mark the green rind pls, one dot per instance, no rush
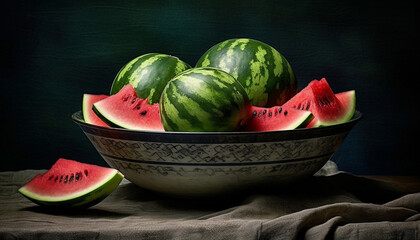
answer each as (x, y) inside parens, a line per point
(301, 122)
(82, 199)
(111, 120)
(277, 123)
(127, 114)
(265, 74)
(103, 118)
(117, 122)
(148, 74)
(349, 105)
(86, 107)
(304, 121)
(203, 100)
(327, 107)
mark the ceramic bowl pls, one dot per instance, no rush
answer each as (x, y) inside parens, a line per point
(210, 163)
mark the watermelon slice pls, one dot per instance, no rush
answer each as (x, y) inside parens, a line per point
(72, 184)
(88, 115)
(125, 110)
(277, 118)
(327, 107)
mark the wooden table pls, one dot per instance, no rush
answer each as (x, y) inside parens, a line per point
(405, 183)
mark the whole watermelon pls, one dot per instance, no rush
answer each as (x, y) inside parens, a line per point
(148, 74)
(265, 74)
(204, 100)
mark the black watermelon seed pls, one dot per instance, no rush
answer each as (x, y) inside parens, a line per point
(77, 177)
(270, 114)
(259, 114)
(61, 178)
(66, 178)
(285, 113)
(51, 177)
(56, 179)
(264, 112)
(138, 107)
(280, 109)
(327, 101)
(143, 113)
(86, 173)
(71, 178)
(307, 106)
(254, 114)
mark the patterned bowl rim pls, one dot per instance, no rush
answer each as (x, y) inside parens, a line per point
(214, 137)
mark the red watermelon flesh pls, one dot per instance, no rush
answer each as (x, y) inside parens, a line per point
(327, 107)
(124, 109)
(88, 115)
(347, 99)
(72, 184)
(276, 118)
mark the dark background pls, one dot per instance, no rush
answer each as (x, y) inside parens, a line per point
(54, 51)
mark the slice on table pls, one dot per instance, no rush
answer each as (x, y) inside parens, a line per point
(72, 184)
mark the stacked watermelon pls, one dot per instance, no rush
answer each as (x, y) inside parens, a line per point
(237, 85)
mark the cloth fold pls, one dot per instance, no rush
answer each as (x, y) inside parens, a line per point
(327, 205)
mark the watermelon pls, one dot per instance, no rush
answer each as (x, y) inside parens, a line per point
(204, 100)
(265, 74)
(327, 107)
(88, 115)
(72, 184)
(277, 118)
(148, 74)
(126, 110)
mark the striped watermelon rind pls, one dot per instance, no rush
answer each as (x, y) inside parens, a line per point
(265, 74)
(203, 100)
(148, 74)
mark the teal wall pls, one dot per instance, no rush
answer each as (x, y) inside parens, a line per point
(54, 51)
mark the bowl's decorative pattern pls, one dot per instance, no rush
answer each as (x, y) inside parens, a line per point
(216, 154)
(211, 163)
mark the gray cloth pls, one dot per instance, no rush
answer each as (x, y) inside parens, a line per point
(325, 206)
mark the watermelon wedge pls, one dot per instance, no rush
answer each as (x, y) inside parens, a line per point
(277, 118)
(124, 109)
(72, 184)
(88, 115)
(327, 107)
